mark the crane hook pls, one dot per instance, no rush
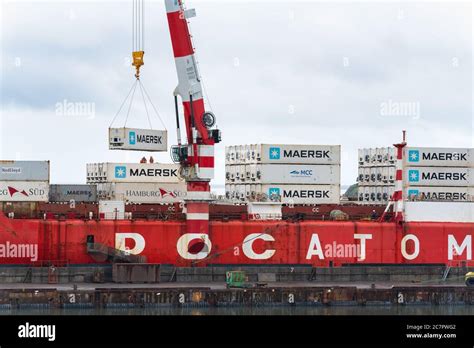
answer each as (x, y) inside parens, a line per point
(138, 62)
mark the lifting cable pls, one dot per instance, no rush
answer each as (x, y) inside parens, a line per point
(146, 99)
(138, 36)
(138, 51)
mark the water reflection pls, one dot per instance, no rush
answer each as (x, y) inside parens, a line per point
(287, 310)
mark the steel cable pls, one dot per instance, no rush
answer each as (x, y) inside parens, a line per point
(123, 103)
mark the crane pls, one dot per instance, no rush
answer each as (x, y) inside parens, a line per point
(196, 153)
(196, 156)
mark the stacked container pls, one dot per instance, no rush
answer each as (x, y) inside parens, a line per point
(376, 175)
(439, 174)
(137, 182)
(76, 193)
(292, 174)
(24, 181)
(433, 174)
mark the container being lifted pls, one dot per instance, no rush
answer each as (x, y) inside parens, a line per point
(135, 139)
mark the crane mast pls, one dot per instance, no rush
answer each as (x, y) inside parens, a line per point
(197, 155)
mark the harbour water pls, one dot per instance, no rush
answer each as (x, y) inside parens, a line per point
(280, 310)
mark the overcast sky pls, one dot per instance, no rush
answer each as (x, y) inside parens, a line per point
(275, 72)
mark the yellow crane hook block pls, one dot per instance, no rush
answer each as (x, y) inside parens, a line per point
(138, 61)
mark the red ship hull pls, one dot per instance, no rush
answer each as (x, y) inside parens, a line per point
(317, 243)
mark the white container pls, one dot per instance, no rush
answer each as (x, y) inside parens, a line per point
(379, 175)
(391, 174)
(366, 175)
(372, 155)
(232, 155)
(247, 192)
(24, 171)
(392, 155)
(227, 173)
(360, 153)
(438, 157)
(243, 173)
(264, 211)
(302, 194)
(230, 191)
(360, 175)
(237, 173)
(451, 194)
(379, 193)
(372, 194)
(138, 139)
(297, 154)
(147, 193)
(385, 155)
(385, 174)
(253, 153)
(386, 194)
(367, 190)
(297, 174)
(366, 156)
(379, 154)
(373, 175)
(24, 191)
(238, 154)
(133, 172)
(439, 212)
(437, 176)
(227, 155)
(240, 192)
(112, 210)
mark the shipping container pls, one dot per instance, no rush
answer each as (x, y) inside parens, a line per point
(360, 153)
(366, 156)
(24, 171)
(112, 210)
(379, 155)
(385, 174)
(360, 175)
(138, 139)
(77, 193)
(452, 194)
(133, 172)
(438, 176)
(242, 171)
(366, 172)
(24, 191)
(438, 157)
(373, 175)
(287, 154)
(289, 194)
(440, 212)
(295, 174)
(143, 192)
(373, 155)
(392, 155)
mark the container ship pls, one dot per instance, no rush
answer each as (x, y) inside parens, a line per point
(282, 204)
